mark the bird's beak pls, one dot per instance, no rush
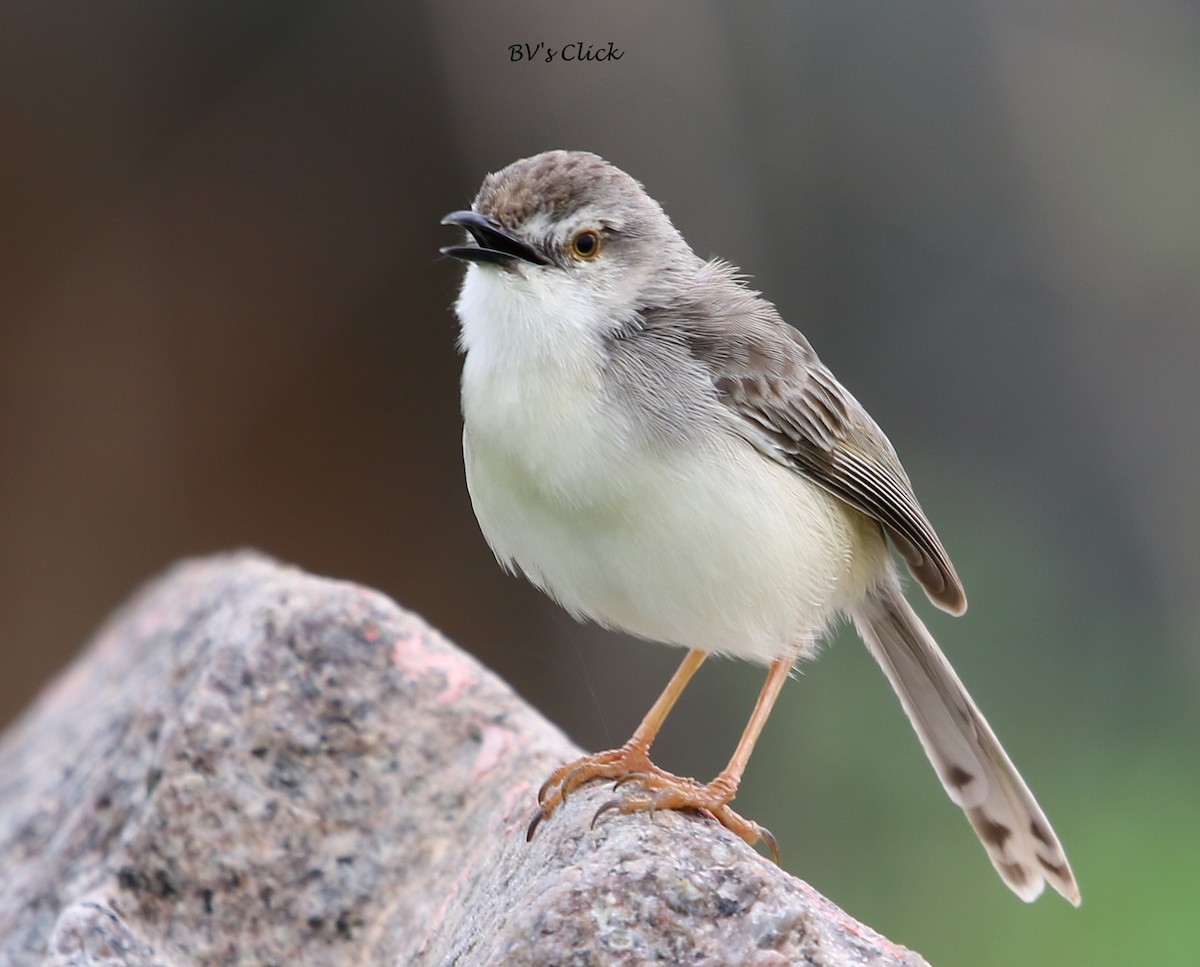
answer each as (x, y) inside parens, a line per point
(492, 242)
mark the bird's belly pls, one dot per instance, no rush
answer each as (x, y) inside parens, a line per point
(717, 549)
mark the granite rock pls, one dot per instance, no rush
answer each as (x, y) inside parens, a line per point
(252, 765)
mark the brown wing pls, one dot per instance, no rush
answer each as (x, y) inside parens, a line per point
(793, 410)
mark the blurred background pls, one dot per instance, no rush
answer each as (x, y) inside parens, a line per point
(224, 323)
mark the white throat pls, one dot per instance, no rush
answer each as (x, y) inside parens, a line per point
(532, 379)
(512, 320)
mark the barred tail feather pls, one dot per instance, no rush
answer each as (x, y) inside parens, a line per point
(974, 768)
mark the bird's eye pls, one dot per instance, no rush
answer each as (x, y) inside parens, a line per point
(585, 244)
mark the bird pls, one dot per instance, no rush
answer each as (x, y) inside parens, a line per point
(647, 441)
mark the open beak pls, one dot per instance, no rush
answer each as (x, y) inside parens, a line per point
(492, 243)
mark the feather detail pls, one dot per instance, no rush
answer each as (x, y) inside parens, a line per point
(787, 404)
(975, 770)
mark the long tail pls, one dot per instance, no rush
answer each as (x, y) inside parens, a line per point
(975, 770)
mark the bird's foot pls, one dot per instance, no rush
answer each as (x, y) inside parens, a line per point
(657, 789)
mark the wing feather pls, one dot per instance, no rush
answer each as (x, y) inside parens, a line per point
(792, 408)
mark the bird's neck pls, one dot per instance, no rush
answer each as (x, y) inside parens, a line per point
(534, 359)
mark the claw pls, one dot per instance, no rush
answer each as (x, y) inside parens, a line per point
(533, 825)
(771, 842)
(659, 790)
(567, 783)
(607, 807)
(541, 796)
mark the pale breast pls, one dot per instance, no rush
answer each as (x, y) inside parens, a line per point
(698, 541)
(723, 551)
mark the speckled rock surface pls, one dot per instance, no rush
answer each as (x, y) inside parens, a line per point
(251, 765)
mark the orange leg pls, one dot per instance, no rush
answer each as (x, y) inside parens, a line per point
(662, 790)
(632, 759)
